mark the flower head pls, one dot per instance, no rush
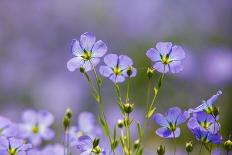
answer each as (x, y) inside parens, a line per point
(13, 146)
(117, 68)
(56, 149)
(206, 136)
(86, 51)
(203, 121)
(170, 122)
(7, 128)
(36, 125)
(206, 105)
(166, 57)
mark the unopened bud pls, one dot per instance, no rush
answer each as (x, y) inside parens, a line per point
(215, 111)
(227, 145)
(136, 144)
(82, 69)
(128, 108)
(66, 122)
(161, 150)
(189, 147)
(120, 123)
(129, 71)
(150, 72)
(68, 113)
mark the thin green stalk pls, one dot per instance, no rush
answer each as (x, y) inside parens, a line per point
(200, 148)
(127, 91)
(174, 143)
(148, 92)
(128, 135)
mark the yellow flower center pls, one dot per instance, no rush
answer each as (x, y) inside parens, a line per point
(172, 127)
(205, 125)
(165, 59)
(87, 55)
(12, 151)
(117, 71)
(35, 129)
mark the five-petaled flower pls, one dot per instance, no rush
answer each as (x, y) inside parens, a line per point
(87, 52)
(206, 136)
(206, 105)
(166, 57)
(13, 146)
(36, 126)
(203, 121)
(117, 68)
(170, 122)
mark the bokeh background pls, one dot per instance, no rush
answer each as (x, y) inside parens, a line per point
(35, 47)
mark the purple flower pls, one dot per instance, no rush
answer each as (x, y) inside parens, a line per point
(206, 136)
(117, 67)
(203, 121)
(36, 125)
(56, 149)
(166, 57)
(87, 125)
(7, 128)
(86, 51)
(170, 122)
(85, 146)
(206, 104)
(13, 146)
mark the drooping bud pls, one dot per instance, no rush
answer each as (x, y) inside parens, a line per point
(129, 71)
(68, 113)
(189, 147)
(96, 150)
(136, 144)
(161, 150)
(120, 123)
(96, 142)
(150, 72)
(227, 145)
(215, 111)
(128, 108)
(66, 122)
(82, 69)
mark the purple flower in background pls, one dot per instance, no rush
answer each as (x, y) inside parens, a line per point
(206, 104)
(166, 57)
(7, 128)
(36, 125)
(13, 146)
(170, 122)
(86, 51)
(56, 149)
(203, 121)
(117, 67)
(87, 125)
(206, 136)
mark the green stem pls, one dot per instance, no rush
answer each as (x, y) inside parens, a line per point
(127, 91)
(200, 148)
(174, 143)
(128, 135)
(148, 92)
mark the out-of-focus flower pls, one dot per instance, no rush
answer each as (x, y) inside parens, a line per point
(13, 146)
(206, 136)
(56, 149)
(170, 122)
(203, 121)
(87, 52)
(36, 125)
(117, 68)
(86, 147)
(87, 125)
(166, 57)
(206, 104)
(216, 65)
(7, 128)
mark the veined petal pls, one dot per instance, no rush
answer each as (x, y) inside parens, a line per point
(105, 71)
(176, 66)
(87, 41)
(163, 132)
(117, 79)
(192, 123)
(214, 98)
(45, 118)
(182, 118)
(125, 62)
(86, 122)
(161, 120)
(74, 63)
(30, 117)
(153, 54)
(111, 60)
(76, 48)
(161, 67)
(99, 49)
(47, 134)
(88, 66)
(84, 143)
(173, 114)
(177, 53)
(164, 47)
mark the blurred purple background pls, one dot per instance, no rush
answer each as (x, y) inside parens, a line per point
(35, 41)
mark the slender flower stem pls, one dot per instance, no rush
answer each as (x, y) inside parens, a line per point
(127, 91)
(128, 135)
(200, 148)
(148, 92)
(174, 143)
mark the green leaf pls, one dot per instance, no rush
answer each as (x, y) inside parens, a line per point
(155, 91)
(104, 126)
(150, 112)
(139, 130)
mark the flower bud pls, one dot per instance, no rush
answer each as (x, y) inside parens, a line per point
(161, 150)
(136, 144)
(227, 145)
(215, 111)
(68, 113)
(82, 69)
(66, 122)
(189, 147)
(120, 123)
(96, 150)
(96, 142)
(129, 71)
(128, 108)
(150, 72)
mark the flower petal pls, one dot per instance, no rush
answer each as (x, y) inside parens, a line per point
(161, 120)
(215, 138)
(88, 66)
(111, 60)
(117, 79)
(99, 49)
(164, 47)
(172, 114)
(76, 48)
(161, 67)
(192, 123)
(47, 134)
(45, 118)
(105, 71)
(30, 117)
(86, 122)
(153, 54)
(176, 66)
(163, 132)
(134, 72)
(87, 41)
(84, 143)
(74, 63)
(214, 98)
(182, 118)
(177, 53)
(125, 62)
